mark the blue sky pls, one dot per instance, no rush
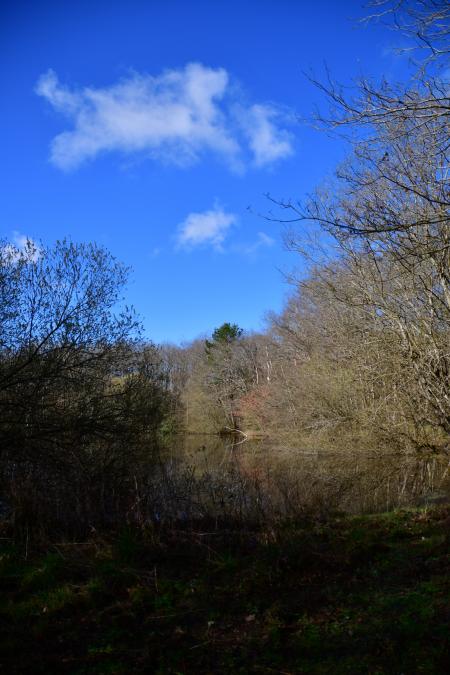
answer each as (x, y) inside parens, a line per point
(150, 127)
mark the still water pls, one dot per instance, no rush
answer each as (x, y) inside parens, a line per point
(238, 474)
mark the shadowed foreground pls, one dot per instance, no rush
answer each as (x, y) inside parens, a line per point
(366, 594)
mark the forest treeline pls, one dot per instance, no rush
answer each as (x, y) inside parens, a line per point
(359, 355)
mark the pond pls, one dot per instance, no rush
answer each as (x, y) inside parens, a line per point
(233, 474)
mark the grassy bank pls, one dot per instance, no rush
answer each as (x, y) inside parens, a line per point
(369, 594)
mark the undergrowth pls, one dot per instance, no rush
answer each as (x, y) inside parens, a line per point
(367, 594)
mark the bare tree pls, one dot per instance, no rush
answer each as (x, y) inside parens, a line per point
(388, 215)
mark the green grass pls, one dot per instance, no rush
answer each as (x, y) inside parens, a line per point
(369, 594)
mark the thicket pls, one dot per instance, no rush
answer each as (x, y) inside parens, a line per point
(81, 398)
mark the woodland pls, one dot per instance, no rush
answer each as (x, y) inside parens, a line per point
(93, 550)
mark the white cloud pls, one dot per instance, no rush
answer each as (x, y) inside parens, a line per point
(267, 142)
(175, 117)
(207, 228)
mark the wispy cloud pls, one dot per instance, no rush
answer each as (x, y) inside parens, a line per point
(263, 241)
(207, 228)
(175, 117)
(267, 141)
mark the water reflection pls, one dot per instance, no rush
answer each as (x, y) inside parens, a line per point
(284, 478)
